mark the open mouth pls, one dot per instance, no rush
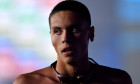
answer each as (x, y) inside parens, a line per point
(68, 51)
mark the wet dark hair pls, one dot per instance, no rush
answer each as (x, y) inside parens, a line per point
(72, 5)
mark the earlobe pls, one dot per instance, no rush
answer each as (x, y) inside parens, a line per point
(50, 32)
(91, 36)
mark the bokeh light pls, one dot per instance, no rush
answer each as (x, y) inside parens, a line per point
(25, 43)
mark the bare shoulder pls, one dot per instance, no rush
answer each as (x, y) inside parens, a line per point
(27, 78)
(37, 77)
(121, 77)
(116, 76)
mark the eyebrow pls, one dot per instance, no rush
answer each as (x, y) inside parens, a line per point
(71, 26)
(74, 25)
(55, 27)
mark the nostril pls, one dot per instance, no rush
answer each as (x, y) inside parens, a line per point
(67, 36)
(67, 40)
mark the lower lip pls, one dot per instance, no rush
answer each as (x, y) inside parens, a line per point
(68, 53)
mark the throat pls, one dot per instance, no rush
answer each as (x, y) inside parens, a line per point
(73, 70)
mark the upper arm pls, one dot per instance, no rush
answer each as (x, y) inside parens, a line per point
(27, 79)
(22, 79)
(122, 78)
(126, 78)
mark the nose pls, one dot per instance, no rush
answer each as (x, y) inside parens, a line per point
(66, 37)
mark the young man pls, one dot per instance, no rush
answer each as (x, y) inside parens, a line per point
(71, 31)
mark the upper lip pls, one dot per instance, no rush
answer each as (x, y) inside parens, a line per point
(67, 48)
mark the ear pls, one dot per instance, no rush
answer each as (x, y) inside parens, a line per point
(50, 32)
(91, 34)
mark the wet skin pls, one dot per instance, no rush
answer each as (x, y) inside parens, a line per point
(70, 34)
(69, 30)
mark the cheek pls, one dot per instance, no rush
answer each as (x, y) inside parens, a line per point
(84, 38)
(55, 42)
(84, 41)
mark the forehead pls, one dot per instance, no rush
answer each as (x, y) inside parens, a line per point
(66, 18)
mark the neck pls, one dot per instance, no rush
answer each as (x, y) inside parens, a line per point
(78, 68)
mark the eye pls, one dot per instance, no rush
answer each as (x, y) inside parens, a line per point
(57, 31)
(76, 30)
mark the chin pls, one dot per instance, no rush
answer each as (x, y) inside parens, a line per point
(71, 60)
